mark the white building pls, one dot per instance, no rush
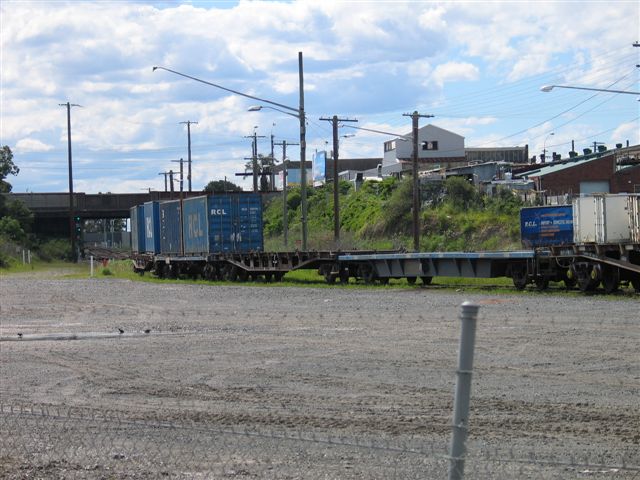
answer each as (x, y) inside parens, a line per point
(437, 147)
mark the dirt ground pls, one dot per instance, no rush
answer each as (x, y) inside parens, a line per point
(281, 382)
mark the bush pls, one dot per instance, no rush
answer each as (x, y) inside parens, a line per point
(56, 249)
(10, 228)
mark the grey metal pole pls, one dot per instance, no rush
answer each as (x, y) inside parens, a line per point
(460, 425)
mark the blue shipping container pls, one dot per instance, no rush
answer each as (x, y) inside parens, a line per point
(151, 227)
(546, 226)
(194, 225)
(170, 228)
(223, 223)
(136, 218)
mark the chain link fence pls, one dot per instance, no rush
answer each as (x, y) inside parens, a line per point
(47, 441)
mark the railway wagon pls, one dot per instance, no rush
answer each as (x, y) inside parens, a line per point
(214, 234)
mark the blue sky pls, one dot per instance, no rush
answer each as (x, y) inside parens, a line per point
(477, 66)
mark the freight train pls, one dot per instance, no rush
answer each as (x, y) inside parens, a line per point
(593, 242)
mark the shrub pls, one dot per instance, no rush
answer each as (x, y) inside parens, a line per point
(56, 249)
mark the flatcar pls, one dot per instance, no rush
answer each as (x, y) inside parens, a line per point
(595, 241)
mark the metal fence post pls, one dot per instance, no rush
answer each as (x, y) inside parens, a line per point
(463, 391)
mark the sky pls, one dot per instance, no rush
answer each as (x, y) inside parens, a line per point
(476, 66)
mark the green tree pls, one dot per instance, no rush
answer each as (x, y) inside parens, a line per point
(10, 228)
(221, 186)
(7, 167)
(460, 192)
(17, 210)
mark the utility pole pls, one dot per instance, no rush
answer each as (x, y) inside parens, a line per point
(285, 211)
(416, 182)
(272, 164)
(165, 179)
(72, 227)
(171, 178)
(189, 123)
(181, 161)
(303, 154)
(336, 190)
(254, 158)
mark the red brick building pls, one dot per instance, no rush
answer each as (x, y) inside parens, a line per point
(616, 171)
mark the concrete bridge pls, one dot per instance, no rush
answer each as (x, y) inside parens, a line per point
(51, 210)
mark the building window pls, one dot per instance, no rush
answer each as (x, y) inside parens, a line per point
(388, 146)
(430, 145)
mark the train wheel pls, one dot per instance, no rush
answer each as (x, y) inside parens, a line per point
(368, 275)
(278, 276)
(411, 280)
(173, 271)
(542, 283)
(159, 270)
(267, 277)
(330, 278)
(426, 280)
(520, 279)
(635, 282)
(569, 278)
(611, 279)
(344, 276)
(384, 281)
(590, 279)
(231, 273)
(243, 275)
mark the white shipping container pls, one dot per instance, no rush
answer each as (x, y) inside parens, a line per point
(584, 225)
(603, 218)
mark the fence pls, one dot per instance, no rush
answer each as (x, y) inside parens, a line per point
(61, 442)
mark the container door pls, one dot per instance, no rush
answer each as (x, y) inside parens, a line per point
(617, 219)
(221, 234)
(170, 227)
(152, 227)
(248, 223)
(195, 225)
(633, 211)
(599, 218)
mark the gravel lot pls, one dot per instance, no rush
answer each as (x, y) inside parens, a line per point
(281, 382)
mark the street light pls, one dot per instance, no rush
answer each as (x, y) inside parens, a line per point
(544, 147)
(548, 88)
(295, 112)
(74, 229)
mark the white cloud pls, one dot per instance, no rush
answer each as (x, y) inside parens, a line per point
(454, 71)
(626, 131)
(26, 145)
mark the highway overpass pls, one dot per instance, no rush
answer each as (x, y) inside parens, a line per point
(51, 210)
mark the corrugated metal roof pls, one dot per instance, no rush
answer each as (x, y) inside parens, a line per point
(547, 169)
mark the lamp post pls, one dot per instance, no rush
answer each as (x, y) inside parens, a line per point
(296, 112)
(544, 147)
(548, 88)
(73, 228)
